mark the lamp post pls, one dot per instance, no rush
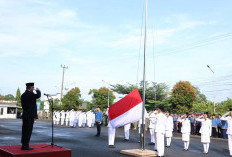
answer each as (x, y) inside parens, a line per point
(108, 92)
(62, 83)
(213, 87)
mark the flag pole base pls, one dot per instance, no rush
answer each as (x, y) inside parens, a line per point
(139, 152)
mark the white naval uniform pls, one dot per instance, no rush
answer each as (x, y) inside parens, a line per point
(80, 120)
(75, 119)
(67, 117)
(62, 117)
(89, 119)
(72, 117)
(160, 126)
(111, 133)
(169, 130)
(186, 130)
(54, 118)
(229, 130)
(84, 120)
(206, 131)
(57, 118)
(152, 127)
(93, 119)
(127, 131)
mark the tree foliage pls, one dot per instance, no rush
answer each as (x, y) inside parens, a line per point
(18, 97)
(9, 97)
(72, 99)
(182, 96)
(100, 97)
(155, 93)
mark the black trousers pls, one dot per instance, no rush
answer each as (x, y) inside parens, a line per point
(219, 132)
(214, 132)
(98, 128)
(27, 131)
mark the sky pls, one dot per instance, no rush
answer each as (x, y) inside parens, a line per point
(103, 40)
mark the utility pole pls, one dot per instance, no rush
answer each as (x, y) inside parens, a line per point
(213, 87)
(62, 83)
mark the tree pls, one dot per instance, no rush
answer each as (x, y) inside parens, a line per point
(56, 105)
(9, 97)
(155, 92)
(18, 97)
(200, 97)
(100, 97)
(202, 106)
(72, 99)
(182, 96)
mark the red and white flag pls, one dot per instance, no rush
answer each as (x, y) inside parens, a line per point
(127, 110)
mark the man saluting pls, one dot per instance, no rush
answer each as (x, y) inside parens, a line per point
(28, 100)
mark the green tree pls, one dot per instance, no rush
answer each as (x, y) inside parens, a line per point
(182, 97)
(200, 97)
(18, 97)
(56, 105)
(155, 92)
(72, 99)
(202, 106)
(100, 97)
(9, 97)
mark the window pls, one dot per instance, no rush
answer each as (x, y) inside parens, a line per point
(11, 110)
(1, 111)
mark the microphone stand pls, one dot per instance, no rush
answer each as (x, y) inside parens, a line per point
(50, 101)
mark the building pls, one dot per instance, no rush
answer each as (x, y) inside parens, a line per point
(46, 103)
(8, 109)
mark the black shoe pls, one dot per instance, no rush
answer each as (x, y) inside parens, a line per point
(111, 146)
(126, 140)
(156, 150)
(97, 135)
(26, 148)
(151, 143)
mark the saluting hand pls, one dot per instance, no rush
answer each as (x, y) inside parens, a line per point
(37, 89)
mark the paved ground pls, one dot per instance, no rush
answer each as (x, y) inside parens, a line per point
(83, 142)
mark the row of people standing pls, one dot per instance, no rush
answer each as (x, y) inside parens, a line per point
(74, 118)
(219, 127)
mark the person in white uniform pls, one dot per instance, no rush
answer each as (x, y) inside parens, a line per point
(89, 118)
(152, 126)
(72, 117)
(54, 117)
(62, 117)
(111, 133)
(229, 130)
(206, 131)
(67, 117)
(127, 131)
(80, 120)
(169, 130)
(75, 119)
(185, 130)
(160, 126)
(93, 119)
(84, 119)
(57, 118)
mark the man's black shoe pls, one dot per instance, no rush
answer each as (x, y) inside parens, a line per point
(111, 146)
(151, 143)
(97, 135)
(126, 140)
(27, 148)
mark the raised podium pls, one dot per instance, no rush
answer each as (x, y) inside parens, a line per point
(40, 150)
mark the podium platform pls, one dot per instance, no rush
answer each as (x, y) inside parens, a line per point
(39, 151)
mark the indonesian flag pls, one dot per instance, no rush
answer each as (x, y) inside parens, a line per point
(127, 110)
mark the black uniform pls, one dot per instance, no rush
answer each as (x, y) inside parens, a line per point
(28, 100)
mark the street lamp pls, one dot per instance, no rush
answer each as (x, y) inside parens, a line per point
(213, 87)
(108, 92)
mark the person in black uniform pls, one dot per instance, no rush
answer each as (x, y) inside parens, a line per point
(28, 100)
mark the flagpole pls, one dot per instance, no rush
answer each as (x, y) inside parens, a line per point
(142, 136)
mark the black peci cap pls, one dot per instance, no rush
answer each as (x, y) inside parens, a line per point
(161, 108)
(30, 84)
